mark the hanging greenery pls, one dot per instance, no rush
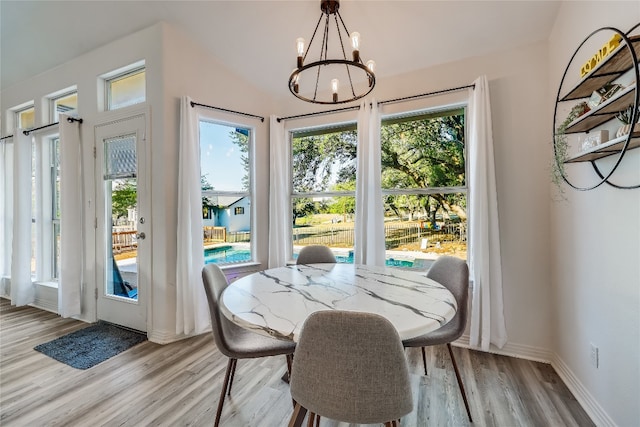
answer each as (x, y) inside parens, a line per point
(561, 145)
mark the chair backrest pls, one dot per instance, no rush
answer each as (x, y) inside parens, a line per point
(350, 366)
(315, 254)
(453, 273)
(214, 283)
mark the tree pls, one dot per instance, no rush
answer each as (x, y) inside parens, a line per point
(240, 137)
(124, 196)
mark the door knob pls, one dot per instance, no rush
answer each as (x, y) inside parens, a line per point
(141, 235)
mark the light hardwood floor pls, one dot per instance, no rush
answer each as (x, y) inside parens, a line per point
(179, 384)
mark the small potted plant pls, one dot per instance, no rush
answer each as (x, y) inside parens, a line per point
(626, 117)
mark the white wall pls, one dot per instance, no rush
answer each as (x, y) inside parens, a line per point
(596, 249)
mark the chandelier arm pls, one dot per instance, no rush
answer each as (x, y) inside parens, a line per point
(343, 24)
(323, 48)
(313, 36)
(344, 54)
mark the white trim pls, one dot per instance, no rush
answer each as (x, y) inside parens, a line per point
(591, 406)
(519, 351)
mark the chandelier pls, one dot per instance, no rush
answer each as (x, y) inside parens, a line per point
(325, 74)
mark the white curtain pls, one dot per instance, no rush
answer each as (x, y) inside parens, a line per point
(71, 219)
(369, 232)
(279, 209)
(6, 222)
(22, 290)
(485, 269)
(192, 311)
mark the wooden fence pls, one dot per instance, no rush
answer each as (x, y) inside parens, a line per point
(396, 234)
(219, 234)
(124, 241)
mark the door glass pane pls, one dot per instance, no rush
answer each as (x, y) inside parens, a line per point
(121, 216)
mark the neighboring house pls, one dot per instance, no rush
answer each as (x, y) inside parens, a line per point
(233, 213)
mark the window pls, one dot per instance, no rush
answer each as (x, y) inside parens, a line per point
(225, 175)
(424, 187)
(55, 206)
(324, 183)
(26, 118)
(126, 89)
(63, 104)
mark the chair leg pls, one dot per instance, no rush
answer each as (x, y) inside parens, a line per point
(233, 374)
(289, 363)
(312, 418)
(223, 392)
(298, 416)
(464, 394)
(424, 360)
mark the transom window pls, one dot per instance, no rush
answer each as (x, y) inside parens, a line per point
(26, 118)
(63, 104)
(126, 89)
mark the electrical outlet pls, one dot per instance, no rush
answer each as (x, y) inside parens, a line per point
(594, 356)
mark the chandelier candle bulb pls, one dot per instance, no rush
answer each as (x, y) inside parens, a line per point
(334, 88)
(300, 48)
(355, 43)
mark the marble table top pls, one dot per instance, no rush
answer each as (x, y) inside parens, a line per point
(276, 302)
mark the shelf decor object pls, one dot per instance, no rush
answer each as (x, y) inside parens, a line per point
(326, 73)
(608, 101)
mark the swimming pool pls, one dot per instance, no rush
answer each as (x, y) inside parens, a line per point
(229, 254)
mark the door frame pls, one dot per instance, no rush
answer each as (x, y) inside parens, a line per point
(144, 256)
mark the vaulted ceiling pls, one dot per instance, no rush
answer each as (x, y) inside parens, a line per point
(256, 39)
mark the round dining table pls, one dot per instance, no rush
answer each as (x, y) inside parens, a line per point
(276, 302)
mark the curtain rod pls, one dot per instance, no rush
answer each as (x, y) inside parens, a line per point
(437, 92)
(6, 137)
(319, 113)
(389, 101)
(193, 104)
(69, 119)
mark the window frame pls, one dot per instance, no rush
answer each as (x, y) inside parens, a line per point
(433, 112)
(54, 115)
(233, 121)
(119, 75)
(326, 127)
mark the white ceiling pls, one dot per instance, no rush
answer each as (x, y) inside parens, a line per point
(256, 39)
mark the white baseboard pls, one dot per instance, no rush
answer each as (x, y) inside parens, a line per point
(591, 406)
(520, 351)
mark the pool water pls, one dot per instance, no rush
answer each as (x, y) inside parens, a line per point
(229, 254)
(226, 254)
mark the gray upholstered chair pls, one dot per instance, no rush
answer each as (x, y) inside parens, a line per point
(452, 273)
(350, 366)
(232, 340)
(315, 254)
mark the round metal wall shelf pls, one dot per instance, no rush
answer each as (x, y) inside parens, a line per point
(599, 75)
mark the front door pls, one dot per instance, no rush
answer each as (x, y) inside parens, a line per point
(122, 223)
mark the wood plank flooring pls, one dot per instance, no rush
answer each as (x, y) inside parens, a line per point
(179, 384)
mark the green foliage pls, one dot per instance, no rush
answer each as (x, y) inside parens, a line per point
(123, 197)
(561, 145)
(241, 139)
(416, 153)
